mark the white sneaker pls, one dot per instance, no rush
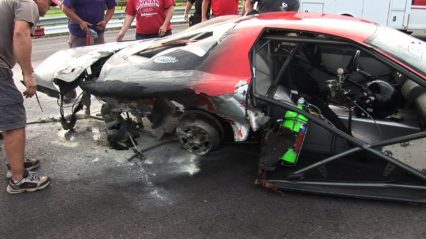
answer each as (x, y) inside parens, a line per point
(31, 182)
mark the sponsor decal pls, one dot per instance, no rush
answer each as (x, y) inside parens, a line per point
(166, 59)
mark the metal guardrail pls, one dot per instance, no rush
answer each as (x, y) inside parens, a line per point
(58, 25)
(48, 21)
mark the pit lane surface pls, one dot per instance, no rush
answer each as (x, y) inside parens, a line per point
(97, 193)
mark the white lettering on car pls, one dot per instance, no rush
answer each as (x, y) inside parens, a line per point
(166, 59)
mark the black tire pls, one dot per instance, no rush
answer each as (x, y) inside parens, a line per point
(198, 135)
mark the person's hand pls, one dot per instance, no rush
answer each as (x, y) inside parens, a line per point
(84, 26)
(185, 16)
(204, 19)
(120, 36)
(31, 85)
(162, 31)
(101, 25)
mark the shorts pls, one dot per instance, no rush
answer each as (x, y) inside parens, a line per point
(75, 41)
(194, 19)
(12, 110)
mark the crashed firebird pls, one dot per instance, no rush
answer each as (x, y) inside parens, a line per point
(339, 103)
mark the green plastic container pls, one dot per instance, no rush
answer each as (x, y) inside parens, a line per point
(298, 124)
(294, 120)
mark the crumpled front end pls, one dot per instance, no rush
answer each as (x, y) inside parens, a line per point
(68, 65)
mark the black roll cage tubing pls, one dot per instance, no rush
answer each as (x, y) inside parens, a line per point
(361, 145)
(273, 88)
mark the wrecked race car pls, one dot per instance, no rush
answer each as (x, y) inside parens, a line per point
(339, 102)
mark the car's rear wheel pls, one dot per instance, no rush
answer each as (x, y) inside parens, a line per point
(198, 134)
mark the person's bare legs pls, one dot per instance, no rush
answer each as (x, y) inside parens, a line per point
(14, 143)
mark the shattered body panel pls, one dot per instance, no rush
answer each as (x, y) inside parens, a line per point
(67, 65)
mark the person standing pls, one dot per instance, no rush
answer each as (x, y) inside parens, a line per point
(196, 17)
(152, 18)
(272, 5)
(85, 15)
(19, 19)
(219, 8)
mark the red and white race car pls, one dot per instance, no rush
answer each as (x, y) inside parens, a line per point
(337, 101)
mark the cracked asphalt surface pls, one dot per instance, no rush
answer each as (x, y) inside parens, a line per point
(97, 192)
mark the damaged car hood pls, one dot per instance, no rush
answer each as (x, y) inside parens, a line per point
(67, 65)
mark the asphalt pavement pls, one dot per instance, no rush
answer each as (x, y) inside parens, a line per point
(97, 192)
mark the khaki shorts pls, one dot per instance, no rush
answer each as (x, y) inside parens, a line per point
(12, 110)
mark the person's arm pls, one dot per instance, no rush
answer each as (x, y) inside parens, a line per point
(186, 12)
(169, 14)
(108, 15)
(127, 22)
(75, 18)
(22, 46)
(248, 6)
(204, 8)
(243, 10)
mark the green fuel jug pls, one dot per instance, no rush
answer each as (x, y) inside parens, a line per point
(298, 124)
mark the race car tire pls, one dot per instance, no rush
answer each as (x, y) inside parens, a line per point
(199, 135)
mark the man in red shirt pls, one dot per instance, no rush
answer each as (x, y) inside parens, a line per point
(219, 8)
(152, 18)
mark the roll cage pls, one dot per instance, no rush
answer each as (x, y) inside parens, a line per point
(379, 174)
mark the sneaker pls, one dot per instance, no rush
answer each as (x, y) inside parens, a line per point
(29, 164)
(31, 182)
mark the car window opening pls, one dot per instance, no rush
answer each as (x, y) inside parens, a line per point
(288, 65)
(188, 39)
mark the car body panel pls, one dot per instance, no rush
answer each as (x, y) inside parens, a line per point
(227, 63)
(355, 29)
(67, 65)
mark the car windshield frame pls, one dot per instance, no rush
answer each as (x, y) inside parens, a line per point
(206, 35)
(405, 48)
(217, 27)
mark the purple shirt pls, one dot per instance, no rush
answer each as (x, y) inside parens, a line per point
(91, 11)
